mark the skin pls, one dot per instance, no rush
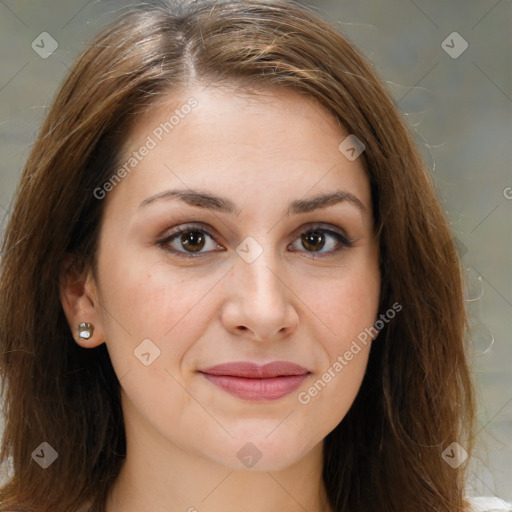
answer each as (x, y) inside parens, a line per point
(261, 151)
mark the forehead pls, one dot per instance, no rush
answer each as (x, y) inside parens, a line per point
(269, 143)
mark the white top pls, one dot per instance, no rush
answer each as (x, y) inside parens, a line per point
(489, 504)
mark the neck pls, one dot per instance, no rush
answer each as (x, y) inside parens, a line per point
(160, 476)
(221, 491)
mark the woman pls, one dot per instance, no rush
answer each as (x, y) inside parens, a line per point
(227, 283)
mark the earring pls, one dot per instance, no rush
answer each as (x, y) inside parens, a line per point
(85, 330)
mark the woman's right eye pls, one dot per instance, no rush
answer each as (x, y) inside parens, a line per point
(189, 241)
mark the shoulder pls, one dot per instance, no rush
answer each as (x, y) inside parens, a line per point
(488, 504)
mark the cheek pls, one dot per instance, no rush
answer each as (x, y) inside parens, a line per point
(331, 391)
(145, 296)
(348, 308)
(143, 300)
(346, 304)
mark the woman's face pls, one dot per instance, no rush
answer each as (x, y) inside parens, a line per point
(265, 271)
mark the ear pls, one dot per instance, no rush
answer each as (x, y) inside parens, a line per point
(79, 299)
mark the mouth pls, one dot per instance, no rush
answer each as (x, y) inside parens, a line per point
(249, 381)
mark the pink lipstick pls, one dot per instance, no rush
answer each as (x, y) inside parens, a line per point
(250, 381)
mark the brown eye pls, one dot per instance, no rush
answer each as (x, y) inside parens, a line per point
(189, 241)
(313, 240)
(193, 241)
(321, 242)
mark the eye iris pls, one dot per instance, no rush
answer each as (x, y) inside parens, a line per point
(192, 239)
(311, 239)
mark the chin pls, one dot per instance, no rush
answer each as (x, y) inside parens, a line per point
(261, 450)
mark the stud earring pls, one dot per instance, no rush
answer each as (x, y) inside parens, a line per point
(85, 330)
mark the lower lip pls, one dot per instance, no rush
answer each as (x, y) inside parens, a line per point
(257, 390)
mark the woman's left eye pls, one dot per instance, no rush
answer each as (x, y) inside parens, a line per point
(320, 238)
(191, 241)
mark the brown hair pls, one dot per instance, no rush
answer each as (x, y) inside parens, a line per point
(417, 395)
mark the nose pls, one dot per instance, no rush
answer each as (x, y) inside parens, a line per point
(261, 304)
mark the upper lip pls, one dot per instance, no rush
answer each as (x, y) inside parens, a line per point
(253, 371)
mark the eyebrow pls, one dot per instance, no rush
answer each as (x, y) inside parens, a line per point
(212, 202)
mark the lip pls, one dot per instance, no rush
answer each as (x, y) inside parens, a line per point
(252, 382)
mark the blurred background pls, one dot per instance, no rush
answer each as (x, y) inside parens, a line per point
(447, 65)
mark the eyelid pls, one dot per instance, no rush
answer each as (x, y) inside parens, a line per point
(190, 226)
(322, 226)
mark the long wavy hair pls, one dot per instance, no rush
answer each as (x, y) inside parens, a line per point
(417, 394)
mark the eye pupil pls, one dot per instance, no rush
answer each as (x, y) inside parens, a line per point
(191, 239)
(311, 239)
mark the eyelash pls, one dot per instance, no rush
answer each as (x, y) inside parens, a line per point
(342, 240)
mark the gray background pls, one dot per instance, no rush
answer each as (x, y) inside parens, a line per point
(460, 108)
